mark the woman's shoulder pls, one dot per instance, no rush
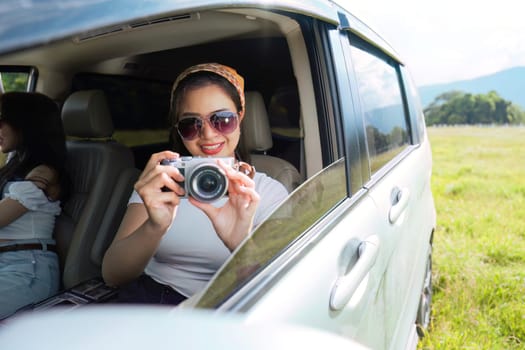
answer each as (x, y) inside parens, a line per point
(46, 178)
(42, 173)
(31, 197)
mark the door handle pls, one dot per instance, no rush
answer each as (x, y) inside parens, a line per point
(346, 285)
(399, 203)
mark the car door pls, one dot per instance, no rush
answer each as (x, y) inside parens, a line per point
(314, 262)
(399, 182)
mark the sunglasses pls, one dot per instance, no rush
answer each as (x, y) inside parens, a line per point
(224, 122)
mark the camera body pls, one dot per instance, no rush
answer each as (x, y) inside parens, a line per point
(204, 180)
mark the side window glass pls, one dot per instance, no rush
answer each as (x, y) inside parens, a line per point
(14, 81)
(383, 108)
(288, 223)
(414, 103)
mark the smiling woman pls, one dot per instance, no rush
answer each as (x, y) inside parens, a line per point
(207, 106)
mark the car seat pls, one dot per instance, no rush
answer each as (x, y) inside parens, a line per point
(102, 173)
(284, 114)
(256, 136)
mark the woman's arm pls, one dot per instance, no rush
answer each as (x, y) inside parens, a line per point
(11, 209)
(135, 243)
(46, 179)
(145, 223)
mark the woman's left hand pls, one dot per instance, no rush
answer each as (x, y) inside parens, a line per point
(233, 221)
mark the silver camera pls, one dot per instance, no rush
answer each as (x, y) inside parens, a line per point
(204, 180)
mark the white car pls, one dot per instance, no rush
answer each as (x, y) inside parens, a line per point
(336, 118)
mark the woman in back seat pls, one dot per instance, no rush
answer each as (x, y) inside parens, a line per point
(169, 246)
(32, 183)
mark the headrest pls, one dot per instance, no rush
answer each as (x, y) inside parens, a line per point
(86, 114)
(255, 128)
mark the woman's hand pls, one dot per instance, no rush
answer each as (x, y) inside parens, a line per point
(160, 205)
(233, 221)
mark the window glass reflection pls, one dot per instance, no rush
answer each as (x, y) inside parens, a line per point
(381, 97)
(302, 209)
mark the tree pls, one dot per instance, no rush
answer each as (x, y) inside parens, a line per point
(457, 107)
(14, 81)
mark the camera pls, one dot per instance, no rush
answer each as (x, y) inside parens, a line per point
(204, 180)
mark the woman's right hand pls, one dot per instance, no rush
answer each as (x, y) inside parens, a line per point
(160, 205)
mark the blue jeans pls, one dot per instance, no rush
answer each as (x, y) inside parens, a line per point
(27, 277)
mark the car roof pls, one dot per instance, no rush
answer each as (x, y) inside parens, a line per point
(38, 22)
(29, 24)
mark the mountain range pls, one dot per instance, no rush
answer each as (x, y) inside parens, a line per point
(508, 83)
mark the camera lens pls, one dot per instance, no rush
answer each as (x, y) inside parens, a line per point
(207, 183)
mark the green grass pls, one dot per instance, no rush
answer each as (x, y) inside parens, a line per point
(479, 244)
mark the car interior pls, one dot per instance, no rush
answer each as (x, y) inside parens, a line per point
(113, 85)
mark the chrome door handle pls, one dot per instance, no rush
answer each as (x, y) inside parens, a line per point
(346, 285)
(399, 204)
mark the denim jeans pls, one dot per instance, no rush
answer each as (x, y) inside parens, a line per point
(27, 277)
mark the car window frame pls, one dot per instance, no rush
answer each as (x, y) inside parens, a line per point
(347, 39)
(415, 109)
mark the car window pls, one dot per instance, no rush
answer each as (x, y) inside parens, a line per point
(414, 103)
(14, 81)
(381, 96)
(310, 202)
(15, 78)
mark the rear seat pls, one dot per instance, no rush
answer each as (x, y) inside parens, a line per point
(102, 172)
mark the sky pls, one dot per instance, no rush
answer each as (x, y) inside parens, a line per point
(448, 40)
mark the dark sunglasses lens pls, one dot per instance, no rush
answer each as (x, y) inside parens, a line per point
(224, 122)
(188, 128)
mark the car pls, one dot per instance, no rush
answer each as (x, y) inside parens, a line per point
(336, 118)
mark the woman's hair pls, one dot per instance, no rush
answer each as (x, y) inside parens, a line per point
(191, 82)
(41, 140)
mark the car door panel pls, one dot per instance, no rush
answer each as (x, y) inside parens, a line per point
(406, 235)
(303, 294)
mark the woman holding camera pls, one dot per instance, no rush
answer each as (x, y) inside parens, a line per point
(169, 244)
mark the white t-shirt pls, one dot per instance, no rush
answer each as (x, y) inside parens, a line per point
(39, 221)
(191, 251)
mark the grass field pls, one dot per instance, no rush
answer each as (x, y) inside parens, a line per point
(479, 245)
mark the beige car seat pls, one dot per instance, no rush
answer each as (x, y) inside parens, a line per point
(256, 136)
(102, 173)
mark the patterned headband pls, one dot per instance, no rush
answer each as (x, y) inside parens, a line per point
(226, 72)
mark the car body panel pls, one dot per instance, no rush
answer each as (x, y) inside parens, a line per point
(407, 236)
(303, 296)
(140, 327)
